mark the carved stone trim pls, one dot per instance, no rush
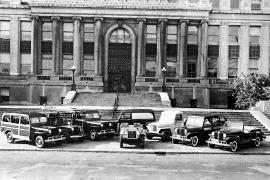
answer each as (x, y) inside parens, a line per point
(141, 20)
(57, 18)
(183, 21)
(98, 19)
(77, 18)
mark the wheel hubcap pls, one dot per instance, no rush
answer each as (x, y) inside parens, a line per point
(234, 146)
(257, 142)
(194, 141)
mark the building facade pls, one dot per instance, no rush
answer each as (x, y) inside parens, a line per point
(122, 45)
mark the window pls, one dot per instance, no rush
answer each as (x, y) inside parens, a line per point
(25, 47)
(192, 51)
(46, 48)
(24, 120)
(4, 47)
(171, 50)
(88, 49)
(255, 4)
(67, 48)
(213, 50)
(233, 53)
(254, 49)
(151, 50)
(4, 95)
(6, 118)
(15, 119)
(234, 4)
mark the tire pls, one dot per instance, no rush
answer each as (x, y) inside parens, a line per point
(234, 146)
(148, 136)
(121, 142)
(67, 137)
(164, 136)
(110, 136)
(175, 141)
(81, 139)
(257, 142)
(142, 145)
(39, 141)
(194, 141)
(211, 145)
(58, 143)
(93, 135)
(10, 138)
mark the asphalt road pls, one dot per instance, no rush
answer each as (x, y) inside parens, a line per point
(85, 165)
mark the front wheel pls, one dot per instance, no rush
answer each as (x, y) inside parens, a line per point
(164, 136)
(194, 141)
(40, 142)
(10, 138)
(211, 145)
(257, 142)
(234, 146)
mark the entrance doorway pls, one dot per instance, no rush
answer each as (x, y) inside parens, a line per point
(119, 62)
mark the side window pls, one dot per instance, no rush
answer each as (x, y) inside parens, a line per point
(15, 119)
(178, 117)
(6, 118)
(125, 116)
(216, 121)
(24, 120)
(207, 123)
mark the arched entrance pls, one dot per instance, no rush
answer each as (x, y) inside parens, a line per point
(120, 49)
(119, 62)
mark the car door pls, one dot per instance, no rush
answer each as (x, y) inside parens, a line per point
(246, 136)
(24, 130)
(14, 124)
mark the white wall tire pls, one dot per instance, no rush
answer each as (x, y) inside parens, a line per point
(194, 141)
(234, 146)
(40, 142)
(93, 135)
(257, 142)
(10, 138)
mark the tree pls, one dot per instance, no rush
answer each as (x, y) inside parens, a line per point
(251, 88)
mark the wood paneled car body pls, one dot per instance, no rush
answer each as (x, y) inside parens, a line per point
(196, 129)
(235, 134)
(31, 127)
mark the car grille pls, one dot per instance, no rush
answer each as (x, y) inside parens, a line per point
(154, 128)
(218, 136)
(131, 134)
(54, 131)
(181, 132)
(76, 130)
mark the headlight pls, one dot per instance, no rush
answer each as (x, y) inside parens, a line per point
(175, 129)
(213, 133)
(110, 124)
(224, 136)
(50, 131)
(60, 130)
(185, 131)
(72, 129)
(101, 125)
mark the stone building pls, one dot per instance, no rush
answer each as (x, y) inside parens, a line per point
(124, 44)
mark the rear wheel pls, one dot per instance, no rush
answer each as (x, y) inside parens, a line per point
(40, 142)
(194, 141)
(10, 138)
(164, 136)
(93, 135)
(257, 142)
(148, 136)
(234, 146)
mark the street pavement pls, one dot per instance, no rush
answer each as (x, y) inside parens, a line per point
(154, 146)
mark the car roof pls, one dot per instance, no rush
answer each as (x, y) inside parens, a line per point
(172, 111)
(138, 111)
(30, 114)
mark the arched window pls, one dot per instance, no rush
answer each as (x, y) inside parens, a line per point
(120, 36)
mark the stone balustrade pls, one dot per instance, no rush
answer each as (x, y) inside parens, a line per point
(146, 4)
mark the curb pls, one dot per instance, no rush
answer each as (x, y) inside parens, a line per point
(158, 153)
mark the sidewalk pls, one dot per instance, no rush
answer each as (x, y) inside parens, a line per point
(112, 146)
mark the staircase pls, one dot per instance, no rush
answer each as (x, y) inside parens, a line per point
(94, 99)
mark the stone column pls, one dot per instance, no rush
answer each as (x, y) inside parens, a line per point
(243, 62)
(77, 45)
(56, 45)
(161, 46)
(15, 60)
(182, 34)
(97, 46)
(265, 39)
(34, 45)
(141, 47)
(202, 49)
(223, 60)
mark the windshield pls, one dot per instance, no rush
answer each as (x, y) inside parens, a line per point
(195, 121)
(142, 116)
(35, 120)
(233, 125)
(91, 116)
(167, 118)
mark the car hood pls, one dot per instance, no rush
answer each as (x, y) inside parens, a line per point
(229, 131)
(43, 127)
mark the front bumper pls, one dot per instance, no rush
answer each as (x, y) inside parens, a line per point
(153, 134)
(181, 138)
(133, 141)
(55, 138)
(77, 136)
(106, 132)
(218, 142)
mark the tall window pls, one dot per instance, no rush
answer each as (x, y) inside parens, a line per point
(255, 4)
(25, 47)
(4, 47)
(234, 4)
(67, 47)
(88, 49)
(254, 49)
(171, 50)
(192, 51)
(233, 50)
(46, 48)
(213, 50)
(151, 50)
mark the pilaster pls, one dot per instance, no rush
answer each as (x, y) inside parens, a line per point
(34, 44)
(202, 49)
(15, 60)
(223, 61)
(161, 46)
(97, 46)
(264, 62)
(243, 64)
(56, 45)
(141, 47)
(182, 30)
(77, 45)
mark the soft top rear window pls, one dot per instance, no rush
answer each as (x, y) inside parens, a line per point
(142, 116)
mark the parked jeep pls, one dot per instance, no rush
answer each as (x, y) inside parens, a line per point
(168, 121)
(31, 127)
(132, 126)
(93, 125)
(64, 120)
(235, 134)
(196, 129)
